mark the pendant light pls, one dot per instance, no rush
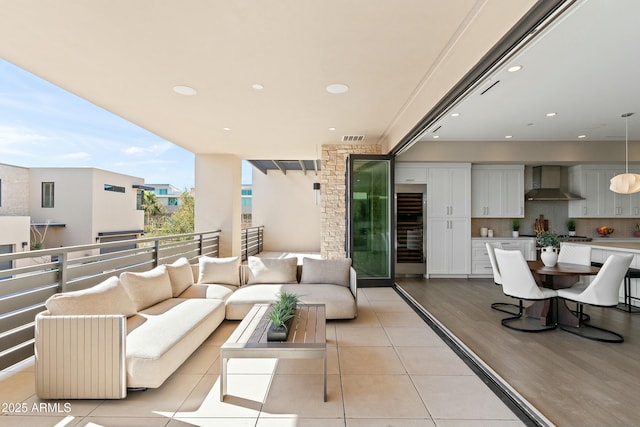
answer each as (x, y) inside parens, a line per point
(626, 183)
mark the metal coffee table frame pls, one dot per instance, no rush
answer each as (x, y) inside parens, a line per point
(306, 340)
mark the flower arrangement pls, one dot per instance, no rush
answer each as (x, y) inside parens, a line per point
(548, 238)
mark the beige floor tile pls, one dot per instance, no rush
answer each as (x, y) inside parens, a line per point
(366, 318)
(368, 422)
(245, 397)
(302, 396)
(157, 402)
(331, 333)
(370, 360)
(200, 361)
(396, 319)
(295, 421)
(309, 366)
(222, 332)
(241, 366)
(460, 398)
(36, 421)
(212, 422)
(414, 337)
(479, 423)
(17, 386)
(115, 421)
(381, 396)
(374, 294)
(432, 361)
(391, 306)
(355, 336)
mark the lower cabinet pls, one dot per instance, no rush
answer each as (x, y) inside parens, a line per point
(480, 263)
(449, 249)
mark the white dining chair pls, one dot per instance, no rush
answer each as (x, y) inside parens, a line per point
(504, 307)
(519, 283)
(603, 291)
(574, 254)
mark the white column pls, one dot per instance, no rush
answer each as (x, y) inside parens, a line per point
(218, 199)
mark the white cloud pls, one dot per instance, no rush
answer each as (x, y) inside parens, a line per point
(81, 155)
(155, 149)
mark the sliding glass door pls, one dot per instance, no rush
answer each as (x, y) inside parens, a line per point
(370, 220)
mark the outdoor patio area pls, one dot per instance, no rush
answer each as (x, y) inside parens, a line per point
(385, 368)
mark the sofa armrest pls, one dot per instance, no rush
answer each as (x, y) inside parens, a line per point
(353, 283)
(80, 357)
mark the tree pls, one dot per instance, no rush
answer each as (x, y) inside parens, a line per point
(153, 211)
(182, 220)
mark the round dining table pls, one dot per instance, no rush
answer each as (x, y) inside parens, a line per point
(545, 275)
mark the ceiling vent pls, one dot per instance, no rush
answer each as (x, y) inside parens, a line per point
(352, 138)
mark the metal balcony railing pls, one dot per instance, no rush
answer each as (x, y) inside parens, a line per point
(252, 241)
(36, 275)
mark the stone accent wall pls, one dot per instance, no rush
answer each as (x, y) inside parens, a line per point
(333, 188)
(15, 190)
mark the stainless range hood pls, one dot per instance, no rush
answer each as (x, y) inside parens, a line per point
(547, 185)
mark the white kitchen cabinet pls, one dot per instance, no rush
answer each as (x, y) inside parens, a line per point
(592, 182)
(449, 191)
(449, 219)
(480, 263)
(448, 246)
(497, 191)
(410, 174)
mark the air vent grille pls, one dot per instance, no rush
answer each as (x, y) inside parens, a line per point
(352, 138)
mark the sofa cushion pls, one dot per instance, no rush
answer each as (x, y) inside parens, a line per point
(108, 297)
(180, 275)
(327, 271)
(206, 290)
(148, 288)
(272, 270)
(222, 271)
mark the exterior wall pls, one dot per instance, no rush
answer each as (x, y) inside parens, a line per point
(333, 188)
(285, 206)
(82, 204)
(14, 190)
(14, 231)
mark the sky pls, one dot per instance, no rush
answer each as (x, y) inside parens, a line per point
(42, 125)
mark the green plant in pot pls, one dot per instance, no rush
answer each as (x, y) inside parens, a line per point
(282, 311)
(571, 226)
(548, 238)
(515, 226)
(549, 242)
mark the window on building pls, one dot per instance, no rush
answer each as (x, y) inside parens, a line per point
(140, 200)
(162, 192)
(173, 201)
(114, 188)
(47, 194)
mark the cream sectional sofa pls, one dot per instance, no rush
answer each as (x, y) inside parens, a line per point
(135, 330)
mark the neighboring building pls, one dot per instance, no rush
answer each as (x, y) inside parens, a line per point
(67, 206)
(168, 196)
(247, 203)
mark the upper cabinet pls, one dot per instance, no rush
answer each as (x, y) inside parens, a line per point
(592, 182)
(449, 190)
(497, 191)
(410, 174)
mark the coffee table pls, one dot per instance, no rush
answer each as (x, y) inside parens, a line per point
(306, 340)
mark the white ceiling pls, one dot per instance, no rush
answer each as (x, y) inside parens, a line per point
(585, 68)
(398, 58)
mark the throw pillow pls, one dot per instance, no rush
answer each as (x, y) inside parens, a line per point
(181, 276)
(272, 270)
(223, 271)
(107, 297)
(148, 288)
(326, 271)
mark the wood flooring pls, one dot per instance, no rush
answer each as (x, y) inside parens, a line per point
(573, 381)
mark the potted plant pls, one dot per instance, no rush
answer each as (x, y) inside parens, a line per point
(282, 312)
(515, 226)
(571, 226)
(549, 242)
(636, 232)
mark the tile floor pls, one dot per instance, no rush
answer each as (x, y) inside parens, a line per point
(386, 368)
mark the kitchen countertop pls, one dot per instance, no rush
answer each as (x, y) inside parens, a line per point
(503, 238)
(626, 245)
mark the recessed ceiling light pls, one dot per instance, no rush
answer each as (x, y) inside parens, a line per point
(514, 68)
(582, 136)
(337, 88)
(551, 114)
(185, 90)
(436, 136)
(227, 129)
(332, 129)
(257, 86)
(508, 136)
(455, 115)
